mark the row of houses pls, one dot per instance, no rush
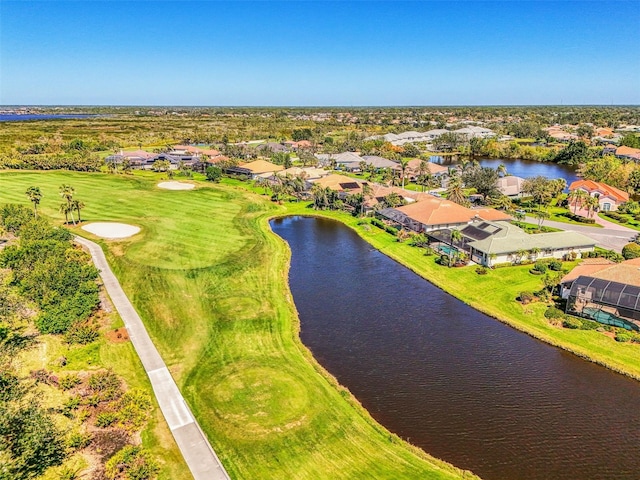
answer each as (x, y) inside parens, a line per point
(400, 139)
(488, 237)
(179, 154)
(623, 152)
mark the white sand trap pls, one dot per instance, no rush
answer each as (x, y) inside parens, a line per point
(111, 230)
(176, 185)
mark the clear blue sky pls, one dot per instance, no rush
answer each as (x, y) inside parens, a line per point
(319, 53)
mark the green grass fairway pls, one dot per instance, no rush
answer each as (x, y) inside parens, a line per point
(210, 282)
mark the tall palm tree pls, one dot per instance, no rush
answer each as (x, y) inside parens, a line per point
(592, 204)
(64, 208)
(455, 192)
(35, 196)
(66, 192)
(78, 205)
(366, 192)
(456, 236)
(502, 170)
(577, 196)
(403, 168)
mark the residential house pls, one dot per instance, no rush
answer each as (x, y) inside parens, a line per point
(609, 198)
(491, 242)
(475, 132)
(345, 160)
(379, 163)
(261, 168)
(628, 153)
(510, 185)
(136, 158)
(430, 213)
(340, 183)
(608, 293)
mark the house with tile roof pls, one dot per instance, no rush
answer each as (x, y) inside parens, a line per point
(431, 213)
(628, 153)
(259, 168)
(609, 198)
(608, 293)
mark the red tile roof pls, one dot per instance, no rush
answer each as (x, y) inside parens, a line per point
(591, 186)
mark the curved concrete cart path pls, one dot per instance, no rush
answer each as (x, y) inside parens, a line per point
(195, 448)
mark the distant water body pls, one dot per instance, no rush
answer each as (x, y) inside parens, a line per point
(12, 117)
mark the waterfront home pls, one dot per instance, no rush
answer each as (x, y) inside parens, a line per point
(605, 292)
(340, 183)
(475, 132)
(491, 242)
(430, 213)
(511, 186)
(434, 169)
(609, 198)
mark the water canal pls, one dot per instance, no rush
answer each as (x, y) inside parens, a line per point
(458, 384)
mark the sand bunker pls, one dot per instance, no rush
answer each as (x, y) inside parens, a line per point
(111, 230)
(176, 185)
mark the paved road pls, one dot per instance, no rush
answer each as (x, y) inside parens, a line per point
(610, 238)
(195, 448)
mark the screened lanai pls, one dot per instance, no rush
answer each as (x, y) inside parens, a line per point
(605, 301)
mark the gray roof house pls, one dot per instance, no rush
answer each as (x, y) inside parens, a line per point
(379, 162)
(500, 242)
(345, 160)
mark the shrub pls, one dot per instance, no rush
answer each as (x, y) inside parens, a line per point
(67, 382)
(482, 270)
(589, 324)
(539, 268)
(82, 333)
(623, 336)
(526, 297)
(502, 265)
(78, 440)
(578, 218)
(105, 419)
(105, 386)
(553, 313)
(572, 323)
(631, 250)
(555, 265)
(131, 463)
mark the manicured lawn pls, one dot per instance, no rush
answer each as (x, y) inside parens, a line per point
(209, 280)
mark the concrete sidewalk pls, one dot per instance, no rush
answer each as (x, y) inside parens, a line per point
(196, 450)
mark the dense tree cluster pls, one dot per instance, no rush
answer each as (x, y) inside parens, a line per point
(49, 270)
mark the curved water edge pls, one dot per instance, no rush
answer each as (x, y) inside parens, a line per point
(402, 384)
(476, 306)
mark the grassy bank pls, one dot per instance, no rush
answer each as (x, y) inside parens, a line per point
(209, 281)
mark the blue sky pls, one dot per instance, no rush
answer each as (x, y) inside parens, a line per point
(319, 53)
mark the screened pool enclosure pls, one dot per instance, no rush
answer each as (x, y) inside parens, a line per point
(605, 301)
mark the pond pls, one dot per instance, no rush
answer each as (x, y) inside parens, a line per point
(460, 385)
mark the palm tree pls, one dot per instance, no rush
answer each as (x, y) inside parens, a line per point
(592, 204)
(577, 196)
(492, 257)
(64, 208)
(502, 170)
(366, 192)
(456, 236)
(455, 192)
(66, 192)
(403, 168)
(78, 205)
(534, 252)
(35, 196)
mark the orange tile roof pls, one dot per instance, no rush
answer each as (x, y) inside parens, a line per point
(436, 211)
(624, 150)
(591, 186)
(434, 168)
(336, 182)
(262, 166)
(627, 272)
(491, 214)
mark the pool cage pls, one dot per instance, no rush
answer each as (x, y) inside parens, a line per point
(605, 301)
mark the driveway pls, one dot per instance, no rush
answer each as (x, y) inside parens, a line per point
(611, 237)
(196, 450)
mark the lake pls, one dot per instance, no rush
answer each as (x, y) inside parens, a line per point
(458, 384)
(11, 117)
(522, 168)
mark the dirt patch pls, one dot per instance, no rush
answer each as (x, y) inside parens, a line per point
(118, 335)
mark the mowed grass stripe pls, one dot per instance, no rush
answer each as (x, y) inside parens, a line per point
(211, 287)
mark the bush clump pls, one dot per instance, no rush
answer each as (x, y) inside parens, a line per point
(131, 463)
(624, 336)
(526, 297)
(631, 250)
(572, 323)
(553, 313)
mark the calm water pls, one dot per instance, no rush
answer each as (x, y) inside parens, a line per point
(10, 117)
(451, 380)
(523, 168)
